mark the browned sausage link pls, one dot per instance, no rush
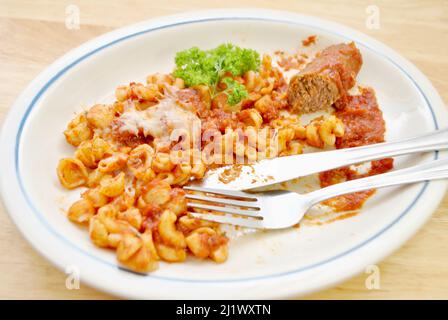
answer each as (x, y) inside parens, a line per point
(325, 79)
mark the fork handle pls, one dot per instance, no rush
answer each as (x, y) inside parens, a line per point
(432, 170)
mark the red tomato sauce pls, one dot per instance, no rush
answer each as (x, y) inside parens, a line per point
(364, 124)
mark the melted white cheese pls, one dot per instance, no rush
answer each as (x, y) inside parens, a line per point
(162, 121)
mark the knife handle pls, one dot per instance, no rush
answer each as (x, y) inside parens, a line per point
(291, 167)
(436, 140)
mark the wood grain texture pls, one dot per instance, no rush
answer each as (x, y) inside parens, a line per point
(33, 35)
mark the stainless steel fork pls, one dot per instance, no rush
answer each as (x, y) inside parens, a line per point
(283, 209)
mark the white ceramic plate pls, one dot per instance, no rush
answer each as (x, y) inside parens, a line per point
(269, 265)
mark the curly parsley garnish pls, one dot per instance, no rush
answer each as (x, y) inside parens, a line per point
(235, 91)
(196, 66)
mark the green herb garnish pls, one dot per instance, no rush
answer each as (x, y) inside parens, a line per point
(196, 67)
(235, 91)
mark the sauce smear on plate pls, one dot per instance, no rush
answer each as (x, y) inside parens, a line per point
(364, 124)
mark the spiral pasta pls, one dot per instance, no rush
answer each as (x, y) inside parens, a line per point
(135, 154)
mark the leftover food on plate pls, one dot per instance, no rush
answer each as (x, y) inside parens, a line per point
(227, 105)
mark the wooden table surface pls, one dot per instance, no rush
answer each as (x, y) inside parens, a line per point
(34, 33)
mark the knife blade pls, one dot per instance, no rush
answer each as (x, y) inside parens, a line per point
(277, 170)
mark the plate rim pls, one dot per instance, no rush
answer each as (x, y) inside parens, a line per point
(172, 21)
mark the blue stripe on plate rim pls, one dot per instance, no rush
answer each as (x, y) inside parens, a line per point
(286, 273)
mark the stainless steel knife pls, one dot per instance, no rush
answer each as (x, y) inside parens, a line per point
(272, 171)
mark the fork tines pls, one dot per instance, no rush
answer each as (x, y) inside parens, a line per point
(224, 206)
